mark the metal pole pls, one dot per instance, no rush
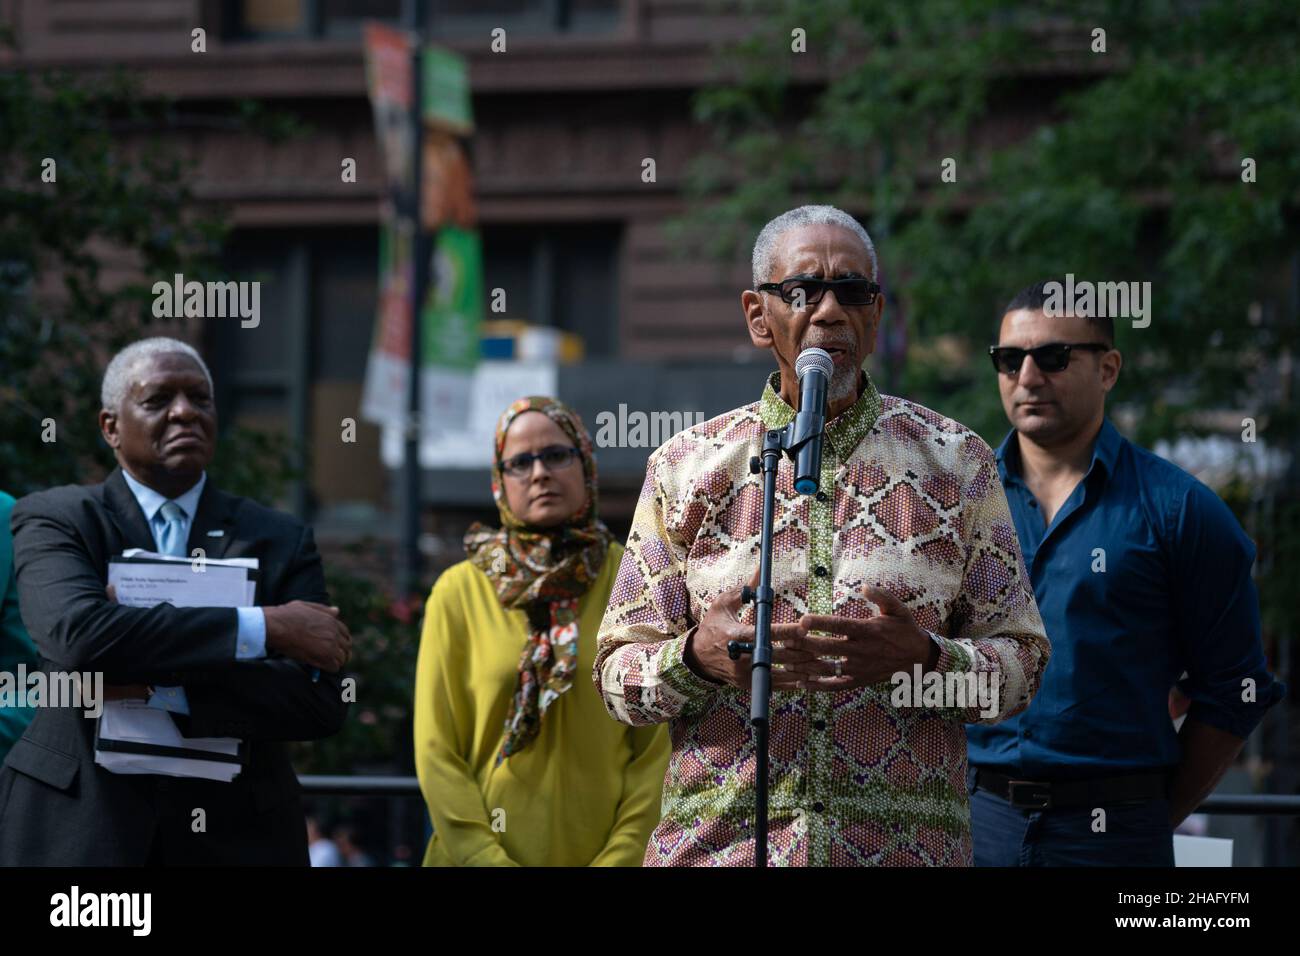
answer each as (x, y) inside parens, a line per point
(409, 563)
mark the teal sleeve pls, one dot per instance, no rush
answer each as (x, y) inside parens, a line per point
(16, 645)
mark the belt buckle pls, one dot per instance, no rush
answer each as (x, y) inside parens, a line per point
(1029, 794)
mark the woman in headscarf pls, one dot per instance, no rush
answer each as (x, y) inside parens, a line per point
(518, 760)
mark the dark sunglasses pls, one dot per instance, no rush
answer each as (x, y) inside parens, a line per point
(849, 291)
(553, 459)
(1053, 357)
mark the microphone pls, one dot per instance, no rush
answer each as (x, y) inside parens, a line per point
(814, 369)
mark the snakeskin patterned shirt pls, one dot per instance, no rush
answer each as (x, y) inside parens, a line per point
(909, 501)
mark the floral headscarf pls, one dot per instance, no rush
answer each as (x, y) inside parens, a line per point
(543, 571)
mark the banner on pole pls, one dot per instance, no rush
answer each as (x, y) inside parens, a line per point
(453, 309)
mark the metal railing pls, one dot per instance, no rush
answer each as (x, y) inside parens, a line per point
(1245, 804)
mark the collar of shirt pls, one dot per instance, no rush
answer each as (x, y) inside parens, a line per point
(1105, 450)
(150, 501)
(845, 430)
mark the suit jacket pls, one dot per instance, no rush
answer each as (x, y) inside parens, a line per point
(56, 806)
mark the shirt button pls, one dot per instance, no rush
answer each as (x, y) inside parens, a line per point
(820, 571)
(1029, 734)
(821, 496)
(819, 725)
(818, 807)
(243, 648)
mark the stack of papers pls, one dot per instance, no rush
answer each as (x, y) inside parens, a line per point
(136, 738)
(133, 737)
(145, 579)
(1202, 851)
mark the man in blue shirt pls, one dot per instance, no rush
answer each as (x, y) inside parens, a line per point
(1142, 575)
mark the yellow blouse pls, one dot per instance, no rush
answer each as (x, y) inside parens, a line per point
(585, 792)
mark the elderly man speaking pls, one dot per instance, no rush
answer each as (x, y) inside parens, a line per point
(903, 569)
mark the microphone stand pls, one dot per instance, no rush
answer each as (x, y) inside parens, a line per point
(788, 440)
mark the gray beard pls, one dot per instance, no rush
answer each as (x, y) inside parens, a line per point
(844, 383)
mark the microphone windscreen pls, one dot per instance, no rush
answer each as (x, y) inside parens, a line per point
(816, 358)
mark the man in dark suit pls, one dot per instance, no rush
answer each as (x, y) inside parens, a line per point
(267, 674)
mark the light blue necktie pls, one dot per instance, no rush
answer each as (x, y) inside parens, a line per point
(172, 542)
(172, 539)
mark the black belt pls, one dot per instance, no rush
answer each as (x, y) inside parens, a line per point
(1095, 792)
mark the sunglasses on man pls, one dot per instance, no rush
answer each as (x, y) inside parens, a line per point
(1053, 357)
(850, 291)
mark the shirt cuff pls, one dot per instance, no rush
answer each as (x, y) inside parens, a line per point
(677, 674)
(250, 642)
(1240, 720)
(952, 656)
(170, 698)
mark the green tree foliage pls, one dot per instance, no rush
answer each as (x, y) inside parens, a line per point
(60, 320)
(62, 312)
(385, 644)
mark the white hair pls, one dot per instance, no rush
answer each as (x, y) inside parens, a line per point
(117, 377)
(770, 236)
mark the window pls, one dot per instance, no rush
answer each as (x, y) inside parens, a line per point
(453, 18)
(562, 276)
(299, 372)
(447, 19)
(344, 18)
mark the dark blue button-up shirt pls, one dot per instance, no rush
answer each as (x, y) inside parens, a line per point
(1143, 574)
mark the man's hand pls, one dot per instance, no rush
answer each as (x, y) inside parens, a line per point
(706, 649)
(310, 633)
(1179, 703)
(871, 650)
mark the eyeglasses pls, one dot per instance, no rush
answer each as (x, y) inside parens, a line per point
(809, 290)
(554, 458)
(1053, 357)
